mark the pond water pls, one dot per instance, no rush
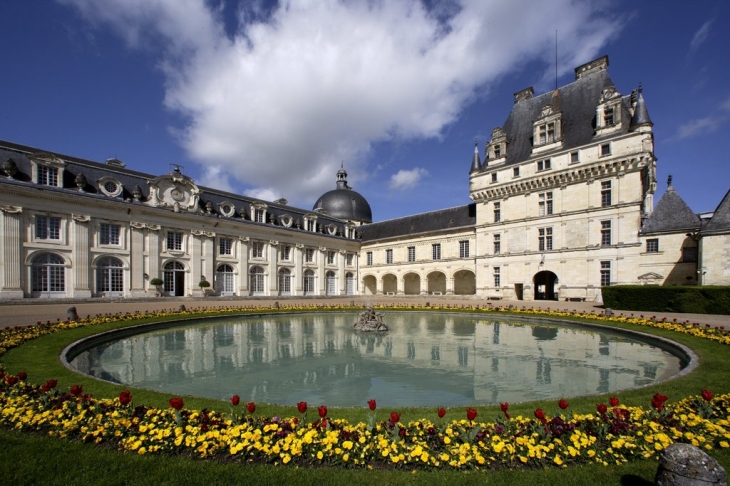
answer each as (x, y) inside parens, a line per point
(423, 360)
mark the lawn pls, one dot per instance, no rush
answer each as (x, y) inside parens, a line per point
(59, 461)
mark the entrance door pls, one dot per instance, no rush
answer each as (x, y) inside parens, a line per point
(519, 289)
(545, 283)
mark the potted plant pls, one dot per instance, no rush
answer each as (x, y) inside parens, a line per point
(157, 282)
(204, 284)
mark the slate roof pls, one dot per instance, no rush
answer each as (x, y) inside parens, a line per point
(577, 101)
(720, 220)
(443, 219)
(671, 214)
(131, 179)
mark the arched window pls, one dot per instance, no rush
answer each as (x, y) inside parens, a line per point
(309, 282)
(174, 278)
(257, 281)
(224, 280)
(109, 277)
(349, 283)
(331, 283)
(48, 276)
(284, 281)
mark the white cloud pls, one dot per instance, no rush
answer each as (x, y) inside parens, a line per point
(405, 179)
(698, 126)
(700, 36)
(293, 92)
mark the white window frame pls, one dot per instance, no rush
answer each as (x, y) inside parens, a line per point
(411, 254)
(652, 245)
(286, 253)
(331, 257)
(605, 273)
(369, 258)
(497, 212)
(389, 256)
(545, 238)
(543, 165)
(497, 239)
(258, 249)
(107, 236)
(436, 251)
(309, 255)
(225, 246)
(545, 203)
(464, 249)
(48, 228)
(496, 271)
(175, 241)
(606, 232)
(606, 196)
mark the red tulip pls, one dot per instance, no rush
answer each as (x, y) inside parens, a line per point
(371, 404)
(562, 403)
(76, 390)
(11, 380)
(657, 401)
(471, 414)
(504, 407)
(602, 408)
(251, 407)
(707, 395)
(394, 417)
(51, 383)
(540, 415)
(176, 403)
(22, 376)
(235, 400)
(302, 407)
(322, 411)
(125, 397)
(613, 401)
(441, 412)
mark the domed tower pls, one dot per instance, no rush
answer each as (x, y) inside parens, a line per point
(344, 203)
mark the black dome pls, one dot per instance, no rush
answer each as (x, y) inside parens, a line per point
(344, 203)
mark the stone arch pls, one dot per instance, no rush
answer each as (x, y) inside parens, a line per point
(545, 283)
(369, 285)
(390, 284)
(257, 279)
(436, 282)
(109, 276)
(48, 275)
(173, 277)
(412, 284)
(465, 282)
(225, 279)
(285, 281)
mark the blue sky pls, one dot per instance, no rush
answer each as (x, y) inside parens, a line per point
(268, 99)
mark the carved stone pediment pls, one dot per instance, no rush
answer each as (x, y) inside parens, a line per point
(609, 93)
(47, 159)
(175, 191)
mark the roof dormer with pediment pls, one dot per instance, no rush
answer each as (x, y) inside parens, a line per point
(175, 191)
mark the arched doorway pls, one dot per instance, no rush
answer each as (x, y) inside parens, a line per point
(284, 281)
(411, 284)
(331, 282)
(48, 276)
(390, 284)
(369, 285)
(465, 283)
(109, 277)
(224, 283)
(544, 284)
(256, 275)
(436, 283)
(309, 282)
(174, 278)
(349, 283)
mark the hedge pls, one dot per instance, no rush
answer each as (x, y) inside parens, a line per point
(653, 298)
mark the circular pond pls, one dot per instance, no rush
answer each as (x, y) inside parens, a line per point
(423, 360)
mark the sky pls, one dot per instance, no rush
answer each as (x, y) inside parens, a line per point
(269, 99)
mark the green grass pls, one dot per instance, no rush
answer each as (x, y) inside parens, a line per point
(54, 461)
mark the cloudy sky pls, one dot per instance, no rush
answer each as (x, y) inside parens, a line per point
(270, 98)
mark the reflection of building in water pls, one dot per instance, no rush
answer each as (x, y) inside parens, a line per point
(489, 361)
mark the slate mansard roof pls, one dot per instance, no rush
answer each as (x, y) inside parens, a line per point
(137, 182)
(460, 217)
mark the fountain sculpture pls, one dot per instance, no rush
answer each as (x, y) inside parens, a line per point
(370, 321)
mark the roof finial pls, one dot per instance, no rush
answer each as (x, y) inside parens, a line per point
(641, 87)
(476, 145)
(669, 180)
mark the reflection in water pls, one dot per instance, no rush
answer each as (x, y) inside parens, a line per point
(425, 359)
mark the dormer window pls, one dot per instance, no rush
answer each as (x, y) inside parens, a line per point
(310, 223)
(110, 187)
(226, 209)
(547, 129)
(47, 170)
(497, 147)
(47, 176)
(608, 112)
(258, 212)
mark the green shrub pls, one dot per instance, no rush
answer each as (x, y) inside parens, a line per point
(654, 298)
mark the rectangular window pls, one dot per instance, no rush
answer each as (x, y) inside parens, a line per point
(349, 259)
(497, 152)
(47, 176)
(258, 215)
(608, 116)
(309, 255)
(225, 246)
(311, 225)
(605, 194)
(574, 157)
(497, 244)
(652, 245)
(330, 258)
(689, 254)
(545, 203)
(494, 177)
(174, 240)
(369, 258)
(497, 277)
(605, 149)
(605, 274)
(257, 249)
(411, 253)
(286, 253)
(464, 249)
(497, 212)
(545, 239)
(516, 172)
(436, 251)
(543, 164)
(388, 256)
(605, 233)
(47, 228)
(109, 234)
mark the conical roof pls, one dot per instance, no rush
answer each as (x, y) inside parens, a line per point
(671, 214)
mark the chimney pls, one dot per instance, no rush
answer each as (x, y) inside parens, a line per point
(525, 94)
(596, 65)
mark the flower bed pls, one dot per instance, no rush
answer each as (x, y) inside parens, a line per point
(613, 434)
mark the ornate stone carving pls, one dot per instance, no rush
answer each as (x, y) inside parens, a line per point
(81, 218)
(204, 234)
(11, 209)
(175, 191)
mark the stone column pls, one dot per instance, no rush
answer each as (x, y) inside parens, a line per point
(81, 267)
(273, 275)
(243, 265)
(341, 272)
(298, 287)
(12, 238)
(153, 253)
(137, 259)
(322, 284)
